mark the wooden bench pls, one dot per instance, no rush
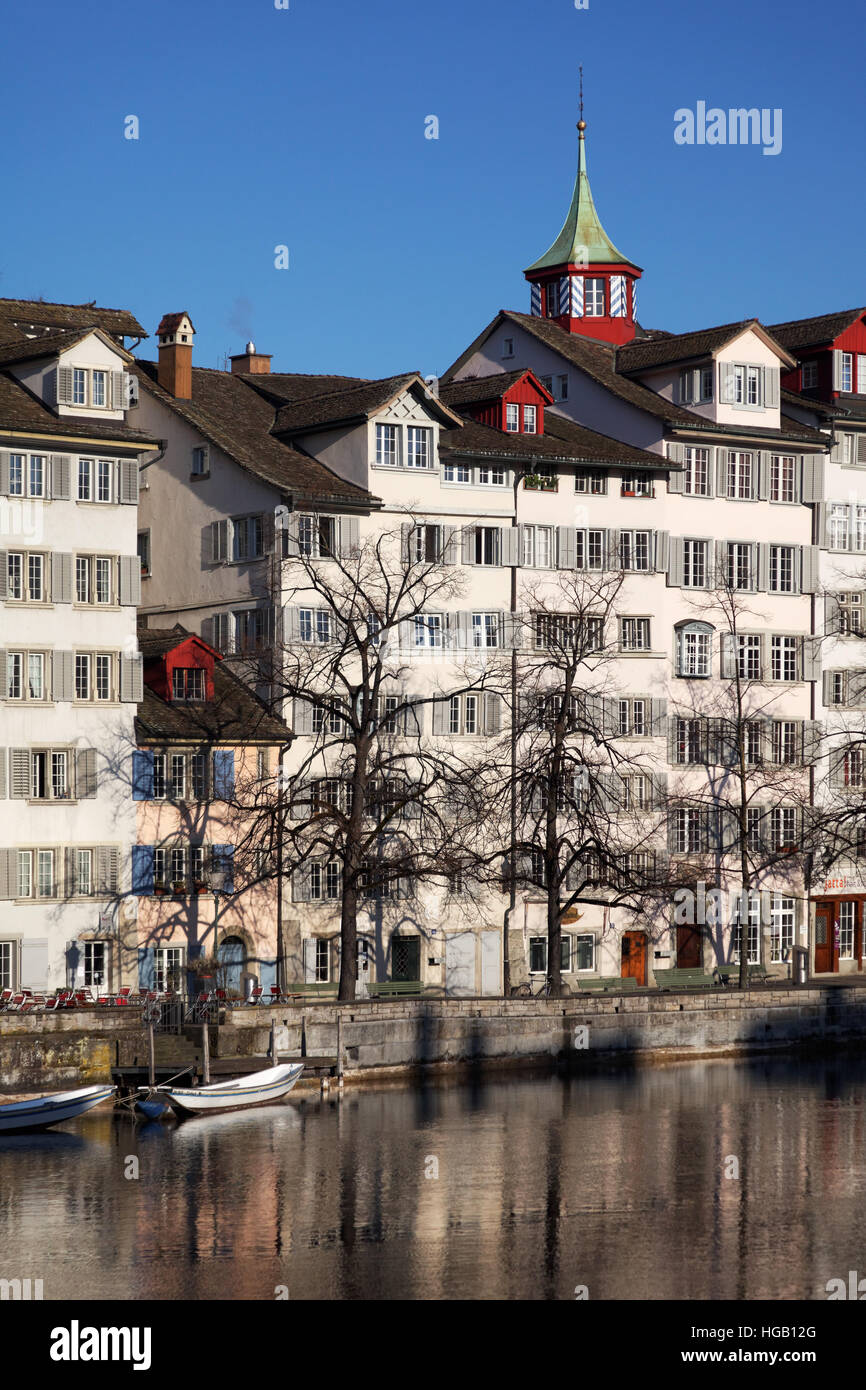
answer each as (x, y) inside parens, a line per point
(394, 989)
(730, 974)
(609, 984)
(683, 979)
(309, 989)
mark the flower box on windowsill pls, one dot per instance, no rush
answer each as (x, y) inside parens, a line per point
(201, 886)
(630, 492)
(159, 889)
(541, 482)
(178, 887)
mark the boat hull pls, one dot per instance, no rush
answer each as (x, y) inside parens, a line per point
(44, 1111)
(267, 1087)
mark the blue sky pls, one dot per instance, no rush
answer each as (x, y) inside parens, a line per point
(305, 127)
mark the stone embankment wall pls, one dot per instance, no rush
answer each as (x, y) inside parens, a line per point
(82, 1046)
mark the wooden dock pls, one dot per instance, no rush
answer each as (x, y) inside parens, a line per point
(187, 1073)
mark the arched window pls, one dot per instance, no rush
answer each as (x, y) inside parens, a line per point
(694, 650)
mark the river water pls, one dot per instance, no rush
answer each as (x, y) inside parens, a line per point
(700, 1181)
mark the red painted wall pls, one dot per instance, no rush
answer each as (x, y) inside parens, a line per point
(189, 653)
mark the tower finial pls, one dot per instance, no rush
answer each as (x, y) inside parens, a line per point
(581, 125)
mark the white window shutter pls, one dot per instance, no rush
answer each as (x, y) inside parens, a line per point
(60, 477)
(662, 551)
(4, 580)
(721, 472)
(64, 385)
(728, 655)
(127, 473)
(2, 773)
(85, 773)
(4, 472)
(131, 679)
(566, 557)
(811, 659)
(349, 535)
(837, 370)
(676, 562)
(61, 578)
(130, 580)
(510, 546)
(771, 387)
(831, 615)
(468, 545)
(809, 569)
(19, 773)
(118, 394)
(62, 676)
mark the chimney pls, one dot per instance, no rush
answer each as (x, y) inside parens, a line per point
(174, 335)
(259, 363)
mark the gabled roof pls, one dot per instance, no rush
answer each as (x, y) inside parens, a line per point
(822, 408)
(562, 442)
(474, 389)
(283, 387)
(683, 347)
(17, 315)
(50, 344)
(23, 412)
(596, 359)
(796, 334)
(353, 404)
(234, 716)
(170, 323)
(239, 421)
(582, 240)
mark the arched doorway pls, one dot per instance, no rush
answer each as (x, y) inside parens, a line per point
(232, 955)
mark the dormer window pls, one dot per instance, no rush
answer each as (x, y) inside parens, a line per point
(99, 389)
(553, 299)
(846, 375)
(188, 685)
(79, 386)
(593, 297)
(512, 418)
(530, 415)
(808, 376)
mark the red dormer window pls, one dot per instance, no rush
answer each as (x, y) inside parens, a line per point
(188, 685)
(512, 418)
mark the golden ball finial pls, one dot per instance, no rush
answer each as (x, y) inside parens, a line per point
(581, 125)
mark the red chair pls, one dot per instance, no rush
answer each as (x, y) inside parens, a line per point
(256, 994)
(5, 996)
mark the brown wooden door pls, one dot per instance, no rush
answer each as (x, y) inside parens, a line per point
(634, 956)
(825, 954)
(688, 948)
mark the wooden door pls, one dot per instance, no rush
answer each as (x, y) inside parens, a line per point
(825, 954)
(405, 958)
(634, 956)
(688, 948)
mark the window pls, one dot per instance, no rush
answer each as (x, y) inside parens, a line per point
(808, 376)
(782, 559)
(485, 629)
(26, 576)
(79, 386)
(425, 544)
(696, 474)
(36, 877)
(739, 475)
(575, 952)
(850, 613)
(37, 475)
(104, 471)
(428, 629)
(783, 478)
(846, 376)
(556, 631)
(687, 838)
(200, 461)
(636, 794)
(786, 741)
(530, 415)
(188, 684)
(689, 743)
(464, 715)
(82, 675)
(847, 920)
(593, 297)
(25, 676)
(694, 651)
(95, 480)
(169, 968)
(456, 473)
(325, 884)
(638, 484)
(838, 525)
(512, 418)
(783, 828)
(491, 477)
(143, 549)
(633, 718)
(387, 446)
(377, 881)
(247, 537)
(322, 965)
(592, 483)
(315, 625)
(783, 658)
(329, 718)
(508, 347)
(552, 298)
(538, 547)
(634, 549)
(485, 550)
(589, 550)
(419, 447)
(99, 382)
(852, 767)
(317, 536)
(102, 687)
(749, 656)
(740, 573)
(861, 374)
(49, 775)
(753, 928)
(694, 564)
(634, 634)
(85, 480)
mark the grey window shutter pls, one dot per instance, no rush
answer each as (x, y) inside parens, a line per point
(441, 718)
(60, 471)
(4, 472)
(827, 687)
(771, 388)
(130, 579)
(721, 472)
(658, 716)
(64, 386)
(811, 659)
(837, 370)
(118, 393)
(62, 676)
(449, 536)
(763, 478)
(468, 545)
(128, 481)
(414, 715)
(726, 383)
(672, 740)
(460, 630)
(19, 773)
(131, 679)
(350, 535)
(406, 529)
(831, 615)
(4, 573)
(812, 732)
(106, 869)
(821, 525)
(721, 564)
(3, 685)
(492, 713)
(566, 548)
(85, 773)
(861, 448)
(8, 873)
(676, 454)
(301, 889)
(3, 763)
(662, 551)
(512, 631)
(763, 576)
(812, 470)
(219, 546)
(728, 656)
(809, 556)
(677, 558)
(69, 872)
(611, 548)
(302, 716)
(510, 547)
(61, 578)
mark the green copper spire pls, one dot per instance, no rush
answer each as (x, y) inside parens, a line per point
(583, 240)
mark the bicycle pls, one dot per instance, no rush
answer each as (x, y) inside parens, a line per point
(525, 991)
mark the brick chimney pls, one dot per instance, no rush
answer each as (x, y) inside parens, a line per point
(174, 335)
(258, 363)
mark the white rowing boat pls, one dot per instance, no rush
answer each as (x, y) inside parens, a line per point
(259, 1089)
(43, 1111)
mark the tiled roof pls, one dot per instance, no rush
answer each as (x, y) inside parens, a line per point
(809, 403)
(853, 407)
(562, 442)
(18, 314)
(49, 344)
(678, 347)
(169, 323)
(597, 359)
(20, 410)
(806, 333)
(479, 388)
(238, 420)
(236, 716)
(354, 403)
(284, 387)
